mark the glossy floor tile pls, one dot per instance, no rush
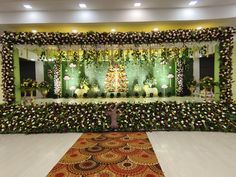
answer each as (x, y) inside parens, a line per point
(195, 154)
(181, 154)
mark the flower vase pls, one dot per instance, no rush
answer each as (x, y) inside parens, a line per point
(44, 93)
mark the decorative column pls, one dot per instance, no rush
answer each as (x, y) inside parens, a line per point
(217, 73)
(8, 85)
(17, 83)
(57, 77)
(226, 50)
(179, 77)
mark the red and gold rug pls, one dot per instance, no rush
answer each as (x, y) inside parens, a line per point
(113, 154)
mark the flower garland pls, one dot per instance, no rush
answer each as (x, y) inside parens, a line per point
(224, 35)
(179, 78)
(57, 78)
(50, 118)
(8, 85)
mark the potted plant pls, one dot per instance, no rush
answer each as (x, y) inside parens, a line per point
(207, 83)
(28, 86)
(44, 87)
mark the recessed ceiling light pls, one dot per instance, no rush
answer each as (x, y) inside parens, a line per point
(34, 31)
(113, 30)
(83, 6)
(155, 29)
(74, 31)
(199, 27)
(137, 4)
(192, 3)
(27, 6)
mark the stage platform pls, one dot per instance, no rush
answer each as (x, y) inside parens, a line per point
(117, 100)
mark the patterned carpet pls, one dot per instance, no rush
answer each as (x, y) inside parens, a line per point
(113, 154)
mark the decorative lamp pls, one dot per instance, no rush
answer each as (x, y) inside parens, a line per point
(164, 87)
(170, 77)
(72, 89)
(72, 65)
(66, 78)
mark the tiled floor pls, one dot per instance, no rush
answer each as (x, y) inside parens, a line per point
(181, 154)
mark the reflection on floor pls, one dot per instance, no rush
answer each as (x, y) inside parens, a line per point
(118, 100)
(181, 154)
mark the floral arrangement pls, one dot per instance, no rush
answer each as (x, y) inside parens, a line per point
(28, 85)
(50, 118)
(44, 85)
(207, 82)
(223, 35)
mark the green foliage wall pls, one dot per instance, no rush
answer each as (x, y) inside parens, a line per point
(48, 76)
(135, 73)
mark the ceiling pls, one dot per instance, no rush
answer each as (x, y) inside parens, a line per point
(49, 5)
(48, 14)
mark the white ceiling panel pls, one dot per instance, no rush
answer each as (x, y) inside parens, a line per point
(52, 5)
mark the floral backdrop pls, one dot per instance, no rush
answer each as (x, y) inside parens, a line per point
(224, 35)
(212, 116)
(51, 118)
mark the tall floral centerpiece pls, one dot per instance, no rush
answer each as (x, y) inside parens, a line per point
(116, 79)
(44, 87)
(28, 86)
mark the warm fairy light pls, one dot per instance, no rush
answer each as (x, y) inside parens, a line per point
(199, 27)
(34, 31)
(155, 29)
(113, 30)
(74, 31)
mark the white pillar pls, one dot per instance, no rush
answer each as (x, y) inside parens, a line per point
(196, 69)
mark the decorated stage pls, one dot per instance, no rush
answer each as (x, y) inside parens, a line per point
(161, 71)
